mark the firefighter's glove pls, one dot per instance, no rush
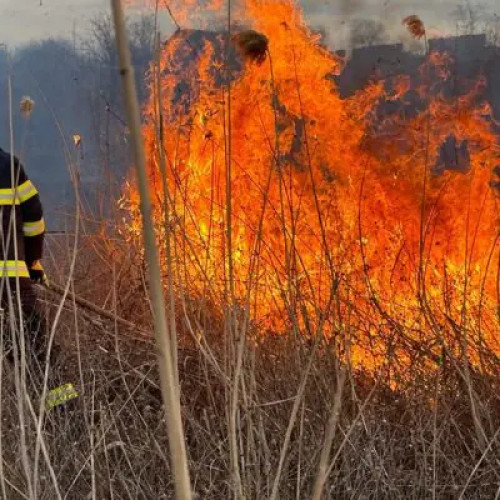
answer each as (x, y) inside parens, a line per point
(37, 274)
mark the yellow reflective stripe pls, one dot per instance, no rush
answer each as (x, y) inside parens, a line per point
(25, 191)
(8, 197)
(34, 228)
(60, 395)
(13, 268)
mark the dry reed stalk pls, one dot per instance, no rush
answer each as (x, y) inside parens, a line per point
(40, 444)
(295, 410)
(282, 187)
(326, 248)
(92, 446)
(480, 433)
(19, 370)
(235, 340)
(359, 417)
(166, 207)
(322, 472)
(2, 347)
(417, 29)
(26, 106)
(2, 318)
(170, 393)
(435, 439)
(415, 26)
(479, 462)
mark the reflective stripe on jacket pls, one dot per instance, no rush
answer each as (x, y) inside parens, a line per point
(13, 268)
(22, 223)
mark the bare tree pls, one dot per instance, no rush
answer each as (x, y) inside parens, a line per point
(365, 32)
(493, 29)
(99, 46)
(470, 17)
(104, 99)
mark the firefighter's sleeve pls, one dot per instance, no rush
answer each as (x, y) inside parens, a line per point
(32, 217)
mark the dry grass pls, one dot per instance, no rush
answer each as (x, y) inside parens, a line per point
(415, 442)
(389, 444)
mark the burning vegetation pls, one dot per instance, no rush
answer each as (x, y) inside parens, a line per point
(328, 321)
(319, 214)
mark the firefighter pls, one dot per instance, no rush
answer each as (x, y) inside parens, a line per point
(21, 250)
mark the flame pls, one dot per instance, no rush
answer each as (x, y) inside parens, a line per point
(326, 195)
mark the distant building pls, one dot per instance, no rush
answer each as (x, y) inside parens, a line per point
(472, 58)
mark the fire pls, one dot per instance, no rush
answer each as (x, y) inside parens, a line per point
(334, 208)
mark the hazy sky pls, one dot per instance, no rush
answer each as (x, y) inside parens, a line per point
(22, 21)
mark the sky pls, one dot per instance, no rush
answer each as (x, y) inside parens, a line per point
(24, 21)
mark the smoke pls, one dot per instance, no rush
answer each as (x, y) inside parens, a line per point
(343, 21)
(365, 32)
(352, 7)
(348, 23)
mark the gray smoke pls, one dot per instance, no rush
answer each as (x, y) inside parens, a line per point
(353, 7)
(365, 32)
(349, 23)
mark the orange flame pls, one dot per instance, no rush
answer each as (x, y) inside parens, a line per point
(323, 192)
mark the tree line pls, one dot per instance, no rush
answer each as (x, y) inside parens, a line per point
(77, 124)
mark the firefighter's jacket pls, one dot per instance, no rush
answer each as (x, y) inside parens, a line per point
(23, 226)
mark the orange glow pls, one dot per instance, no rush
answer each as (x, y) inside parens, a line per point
(366, 177)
